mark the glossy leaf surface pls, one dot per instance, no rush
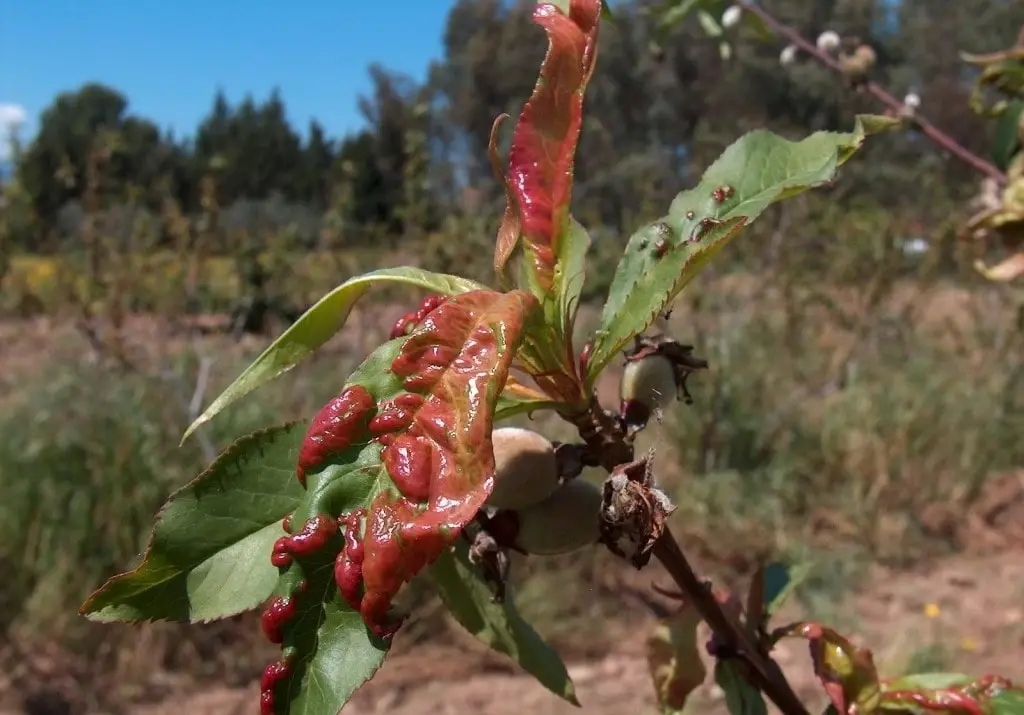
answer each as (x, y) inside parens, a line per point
(208, 556)
(318, 325)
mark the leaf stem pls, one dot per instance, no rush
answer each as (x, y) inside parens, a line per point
(939, 137)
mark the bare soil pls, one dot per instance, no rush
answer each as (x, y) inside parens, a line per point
(979, 627)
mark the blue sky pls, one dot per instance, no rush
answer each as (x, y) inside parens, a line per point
(169, 57)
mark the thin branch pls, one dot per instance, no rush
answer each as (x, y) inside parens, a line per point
(765, 672)
(610, 447)
(938, 136)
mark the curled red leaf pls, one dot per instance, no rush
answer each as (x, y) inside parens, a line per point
(544, 141)
(437, 449)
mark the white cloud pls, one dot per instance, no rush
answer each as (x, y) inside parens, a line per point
(12, 116)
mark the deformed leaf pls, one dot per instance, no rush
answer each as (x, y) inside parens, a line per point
(544, 142)
(317, 325)
(951, 693)
(753, 173)
(498, 625)
(673, 657)
(846, 672)
(395, 466)
(208, 555)
(328, 649)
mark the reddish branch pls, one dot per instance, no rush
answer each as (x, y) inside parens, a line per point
(938, 136)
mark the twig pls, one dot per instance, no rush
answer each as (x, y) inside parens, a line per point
(611, 447)
(938, 136)
(765, 673)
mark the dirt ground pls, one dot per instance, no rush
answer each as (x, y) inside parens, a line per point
(971, 609)
(967, 611)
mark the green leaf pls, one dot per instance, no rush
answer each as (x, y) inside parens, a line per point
(317, 325)
(710, 24)
(209, 553)
(780, 583)
(661, 258)
(570, 277)
(741, 698)
(929, 681)
(498, 625)
(673, 658)
(1008, 702)
(509, 406)
(1006, 142)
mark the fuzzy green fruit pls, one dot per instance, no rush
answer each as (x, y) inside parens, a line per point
(568, 520)
(525, 468)
(650, 381)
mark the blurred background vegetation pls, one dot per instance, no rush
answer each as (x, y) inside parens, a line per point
(866, 392)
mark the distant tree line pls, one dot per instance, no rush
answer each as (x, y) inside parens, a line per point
(661, 105)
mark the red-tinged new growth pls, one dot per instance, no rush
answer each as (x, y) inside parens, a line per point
(437, 447)
(334, 428)
(312, 537)
(408, 322)
(348, 566)
(969, 698)
(273, 674)
(544, 142)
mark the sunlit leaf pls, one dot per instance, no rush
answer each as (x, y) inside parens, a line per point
(753, 173)
(318, 324)
(209, 554)
(846, 672)
(544, 142)
(395, 467)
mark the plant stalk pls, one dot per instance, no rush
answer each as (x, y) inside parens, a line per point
(765, 672)
(937, 136)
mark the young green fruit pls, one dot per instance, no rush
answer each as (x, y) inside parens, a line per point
(525, 468)
(648, 385)
(568, 520)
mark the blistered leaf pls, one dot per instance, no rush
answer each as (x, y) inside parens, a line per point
(328, 651)
(953, 693)
(544, 142)
(395, 466)
(741, 698)
(317, 325)
(673, 657)
(209, 554)
(753, 173)
(846, 672)
(498, 625)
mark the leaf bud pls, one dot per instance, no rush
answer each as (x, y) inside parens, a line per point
(828, 41)
(731, 16)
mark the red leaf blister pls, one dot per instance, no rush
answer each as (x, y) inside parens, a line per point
(544, 142)
(438, 441)
(435, 432)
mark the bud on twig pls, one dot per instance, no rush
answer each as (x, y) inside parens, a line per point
(732, 16)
